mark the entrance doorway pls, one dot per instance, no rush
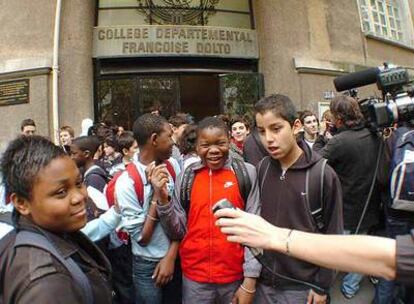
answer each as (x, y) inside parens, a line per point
(122, 100)
(200, 95)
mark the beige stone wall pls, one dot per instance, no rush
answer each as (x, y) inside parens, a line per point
(76, 68)
(29, 29)
(279, 43)
(26, 29)
(379, 52)
(26, 52)
(305, 44)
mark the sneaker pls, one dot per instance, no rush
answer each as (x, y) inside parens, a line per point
(347, 296)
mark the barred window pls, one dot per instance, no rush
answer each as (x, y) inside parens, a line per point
(389, 19)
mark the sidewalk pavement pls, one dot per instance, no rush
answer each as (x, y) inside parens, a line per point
(364, 296)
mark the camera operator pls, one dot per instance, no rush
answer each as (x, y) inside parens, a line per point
(397, 222)
(377, 256)
(352, 152)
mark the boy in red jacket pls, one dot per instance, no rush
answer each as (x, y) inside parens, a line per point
(214, 270)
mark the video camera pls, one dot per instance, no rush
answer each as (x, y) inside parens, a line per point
(397, 89)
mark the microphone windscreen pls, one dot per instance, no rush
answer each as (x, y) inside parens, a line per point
(356, 80)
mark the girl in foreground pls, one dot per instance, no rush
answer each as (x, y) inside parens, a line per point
(49, 201)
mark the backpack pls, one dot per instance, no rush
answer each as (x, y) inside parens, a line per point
(138, 184)
(314, 184)
(6, 217)
(96, 170)
(33, 239)
(139, 189)
(239, 168)
(402, 171)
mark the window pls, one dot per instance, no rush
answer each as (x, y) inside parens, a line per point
(389, 19)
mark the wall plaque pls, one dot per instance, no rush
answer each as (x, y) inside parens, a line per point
(14, 92)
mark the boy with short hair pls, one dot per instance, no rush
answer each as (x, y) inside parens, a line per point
(66, 134)
(310, 127)
(28, 127)
(82, 151)
(178, 124)
(154, 254)
(239, 128)
(128, 146)
(111, 153)
(214, 270)
(284, 177)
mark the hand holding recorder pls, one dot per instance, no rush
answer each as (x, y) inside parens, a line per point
(354, 253)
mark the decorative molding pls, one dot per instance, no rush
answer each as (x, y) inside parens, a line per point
(26, 73)
(179, 12)
(25, 67)
(321, 67)
(390, 42)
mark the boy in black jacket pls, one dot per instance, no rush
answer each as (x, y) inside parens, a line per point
(82, 151)
(290, 188)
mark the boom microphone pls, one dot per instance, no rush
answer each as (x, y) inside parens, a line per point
(357, 79)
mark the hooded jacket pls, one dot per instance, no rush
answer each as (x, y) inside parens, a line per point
(206, 255)
(253, 149)
(33, 275)
(283, 204)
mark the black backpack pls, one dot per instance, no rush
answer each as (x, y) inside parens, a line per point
(33, 239)
(402, 170)
(313, 188)
(240, 171)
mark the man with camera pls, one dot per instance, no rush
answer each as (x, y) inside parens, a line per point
(353, 152)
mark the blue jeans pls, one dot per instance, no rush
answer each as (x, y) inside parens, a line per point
(351, 281)
(386, 291)
(145, 290)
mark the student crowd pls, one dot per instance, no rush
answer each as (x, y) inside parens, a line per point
(126, 216)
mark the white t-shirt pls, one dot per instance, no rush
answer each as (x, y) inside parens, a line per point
(310, 143)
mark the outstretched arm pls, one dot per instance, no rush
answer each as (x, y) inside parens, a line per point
(352, 253)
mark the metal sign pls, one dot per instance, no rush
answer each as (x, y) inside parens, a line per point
(166, 40)
(14, 92)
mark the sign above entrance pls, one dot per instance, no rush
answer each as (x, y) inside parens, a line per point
(170, 41)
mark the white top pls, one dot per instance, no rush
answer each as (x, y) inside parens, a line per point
(310, 143)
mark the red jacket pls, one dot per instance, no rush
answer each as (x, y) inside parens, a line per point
(206, 255)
